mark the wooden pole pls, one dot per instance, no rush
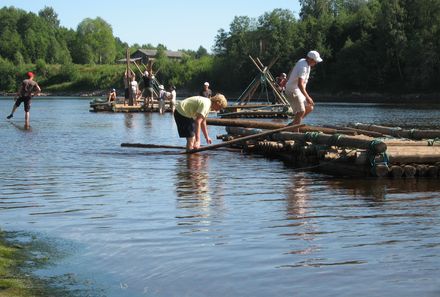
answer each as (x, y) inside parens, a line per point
(140, 71)
(398, 132)
(147, 145)
(241, 139)
(270, 125)
(359, 131)
(130, 100)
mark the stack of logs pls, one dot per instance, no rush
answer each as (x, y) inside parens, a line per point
(342, 151)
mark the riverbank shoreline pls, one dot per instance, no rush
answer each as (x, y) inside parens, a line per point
(22, 253)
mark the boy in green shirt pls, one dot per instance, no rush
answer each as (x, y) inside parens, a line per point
(190, 116)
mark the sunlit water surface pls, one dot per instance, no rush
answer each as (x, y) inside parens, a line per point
(153, 222)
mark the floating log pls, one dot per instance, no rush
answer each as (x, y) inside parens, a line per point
(410, 171)
(381, 170)
(255, 113)
(377, 147)
(399, 132)
(396, 171)
(149, 145)
(270, 125)
(358, 131)
(374, 146)
(242, 139)
(405, 155)
(234, 108)
(406, 143)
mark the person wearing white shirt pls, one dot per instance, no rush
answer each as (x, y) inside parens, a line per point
(296, 92)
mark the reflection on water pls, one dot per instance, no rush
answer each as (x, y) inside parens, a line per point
(154, 222)
(199, 201)
(192, 178)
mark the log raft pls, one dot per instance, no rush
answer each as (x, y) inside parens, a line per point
(329, 150)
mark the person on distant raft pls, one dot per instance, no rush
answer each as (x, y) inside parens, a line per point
(281, 82)
(190, 116)
(111, 96)
(134, 88)
(206, 91)
(28, 88)
(163, 96)
(148, 79)
(296, 93)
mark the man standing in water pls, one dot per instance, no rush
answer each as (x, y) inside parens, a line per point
(190, 116)
(296, 93)
(206, 91)
(28, 88)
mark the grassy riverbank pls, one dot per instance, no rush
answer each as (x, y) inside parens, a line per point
(20, 254)
(12, 281)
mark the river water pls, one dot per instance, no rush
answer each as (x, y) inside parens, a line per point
(153, 222)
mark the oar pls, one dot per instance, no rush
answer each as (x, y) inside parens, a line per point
(241, 139)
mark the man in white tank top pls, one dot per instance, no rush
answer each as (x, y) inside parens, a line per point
(296, 93)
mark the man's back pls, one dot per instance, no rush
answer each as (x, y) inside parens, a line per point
(27, 87)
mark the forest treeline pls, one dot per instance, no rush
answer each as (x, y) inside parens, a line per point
(367, 46)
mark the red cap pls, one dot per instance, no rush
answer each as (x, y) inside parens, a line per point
(30, 74)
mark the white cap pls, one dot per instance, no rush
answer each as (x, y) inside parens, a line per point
(206, 84)
(314, 55)
(161, 87)
(146, 73)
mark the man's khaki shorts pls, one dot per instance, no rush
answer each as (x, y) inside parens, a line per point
(296, 100)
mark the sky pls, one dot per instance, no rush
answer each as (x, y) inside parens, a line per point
(177, 24)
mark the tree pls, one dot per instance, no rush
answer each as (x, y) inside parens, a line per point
(96, 42)
(50, 16)
(201, 52)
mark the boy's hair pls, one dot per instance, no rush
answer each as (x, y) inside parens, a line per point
(220, 99)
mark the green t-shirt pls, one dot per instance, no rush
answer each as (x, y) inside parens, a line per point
(192, 106)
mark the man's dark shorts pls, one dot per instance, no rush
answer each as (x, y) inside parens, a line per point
(27, 103)
(185, 126)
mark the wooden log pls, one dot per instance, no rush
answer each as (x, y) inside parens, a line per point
(413, 154)
(253, 113)
(270, 125)
(396, 171)
(410, 171)
(421, 170)
(398, 132)
(242, 131)
(376, 147)
(321, 139)
(381, 170)
(358, 131)
(242, 139)
(432, 171)
(249, 106)
(402, 156)
(401, 142)
(149, 145)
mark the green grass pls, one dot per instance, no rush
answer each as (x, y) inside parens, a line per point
(12, 282)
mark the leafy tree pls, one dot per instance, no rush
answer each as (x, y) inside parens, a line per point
(201, 52)
(51, 17)
(96, 41)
